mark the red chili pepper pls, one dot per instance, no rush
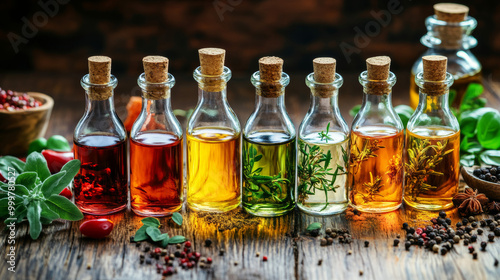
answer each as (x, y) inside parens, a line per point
(66, 193)
(98, 228)
(56, 160)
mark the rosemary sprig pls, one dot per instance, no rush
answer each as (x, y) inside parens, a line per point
(324, 135)
(420, 165)
(358, 156)
(372, 188)
(259, 186)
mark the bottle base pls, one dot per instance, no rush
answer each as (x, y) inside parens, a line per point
(155, 211)
(98, 209)
(267, 210)
(382, 207)
(318, 209)
(217, 207)
(430, 206)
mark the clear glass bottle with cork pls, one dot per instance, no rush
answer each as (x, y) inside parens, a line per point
(449, 34)
(213, 140)
(323, 145)
(101, 185)
(432, 141)
(156, 166)
(376, 144)
(269, 145)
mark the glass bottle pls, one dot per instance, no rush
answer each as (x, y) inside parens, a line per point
(449, 35)
(156, 154)
(213, 140)
(269, 145)
(432, 143)
(376, 144)
(101, 185)
(323, 145)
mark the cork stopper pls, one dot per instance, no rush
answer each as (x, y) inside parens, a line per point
(324, 69)
(378, 67)
(212, 61)
(212, 64)
(270, 70)
(100, 75)
(99, 69)
(377, 74)
(451, 12)
(434, 73)
(156, 72)
(155, 68)
(450, 35)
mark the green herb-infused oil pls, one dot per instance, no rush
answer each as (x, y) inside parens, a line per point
(269, 152)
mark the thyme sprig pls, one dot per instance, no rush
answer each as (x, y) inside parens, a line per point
(420, 165)
(358, 156)
(324, 134)
(259, 186)
(372, 188)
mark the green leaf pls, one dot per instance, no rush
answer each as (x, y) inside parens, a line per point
(404, 112)
(257, 158)
(452, 96)
(64, 208)
(473, 91)
(37, 163)
(34, 213)
(58, 143)
(141, 234)
(165, 241)
(177, 239)
(37, 145)
(12, 162)
(151, 222)
(27, 179)
(177, 218)
(154, 233)
(467, 159)
(490, 157)
(47, 213)
(354, 111)
(71, 168)
(314, 226)
(468, 120)
(52, 183)
(488, 130)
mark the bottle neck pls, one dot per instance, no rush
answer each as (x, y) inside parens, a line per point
(212, 99)
(433, 103)
(377, 102)
(324, 105)
(270, 104)
(156, 106)
(99, 107)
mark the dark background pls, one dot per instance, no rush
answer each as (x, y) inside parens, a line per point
(297, 31)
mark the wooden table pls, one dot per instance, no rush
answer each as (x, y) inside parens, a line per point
(62, 253)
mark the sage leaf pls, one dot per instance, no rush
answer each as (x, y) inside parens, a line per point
(177, 239)
(47, 213)
(165, 241)
(488, 130)
(314, 226)
(34, 213)
(151, 222)
(71, 167)
(27, 179)
(12, 162)
(64, 208)
(36, 162)
(154, 233)
(141, 234)
(490, 157)
(177, 218)
(52, 183)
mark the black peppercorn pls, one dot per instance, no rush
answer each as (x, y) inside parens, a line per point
(411, 230)
(482, 223)
(221, 252)
(405, 226)
(208, 242)
(466, 242)
(473, 238)
(396, 242)
(497, 217)
(431, 235)
(444, 251)
(468, 229)
(459, 224)
(472, 219)
(492, 227)
(442, 214)
(474, 224)
(495, 263)
(407, 245)
(367, 243)
(483, 246)
(177, 254)
(441, 221)
(465, 221)
(438, 239)
(489, 221)
(474, 256)
(448, 221)
(491, 237)
(479, 231)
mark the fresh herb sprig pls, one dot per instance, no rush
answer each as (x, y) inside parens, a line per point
(259, 186)
(324, 134)
(35, 194)
(150, 231)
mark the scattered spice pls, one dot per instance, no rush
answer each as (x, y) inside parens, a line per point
(367, 243)
(264, 258)
(320, 262)
(490, 174)
(470, 202)
(396, 242)
(234, 219)
(208, 243)
(493, 207)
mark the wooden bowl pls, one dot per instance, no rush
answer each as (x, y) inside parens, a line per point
(491, 190)
(19, 128)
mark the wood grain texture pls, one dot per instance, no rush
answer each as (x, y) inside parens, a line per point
(62, 252)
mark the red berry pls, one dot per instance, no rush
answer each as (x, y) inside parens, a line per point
(184, 260)
(418, 231)
(157, 250)
(187, 244)
(167, 258)
(189, 265)
(264, 258)
(183, 255)
(197, 255)
(424, 235)
(209, 260)
(97, 228)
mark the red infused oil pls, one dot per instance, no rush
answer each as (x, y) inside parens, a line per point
(156, 177)
(101, 185)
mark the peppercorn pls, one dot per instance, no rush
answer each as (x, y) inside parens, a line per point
(479, 231)
(187, 244)
(221, 252)
(148, 261)
(474, 256)
(497, 231)
(466, 242)
(472, 219)
(329, 241)
(491, 237)
(441, 221)
(434, 221)
(405, 226)
(264, 258)
(361, 273)
(471, 249)
(482, 223)
(367, 243)
(411, 230)
(407, 245)
(497, 217)
(396, 242)
(147, 248)
(333, 234)
(492, 227)
(435, 248)
(459, 224)
(349, 252)
(489, 221)
(208, 242)
(456, 238)
(328, 231)
(444, 251)
(442, 214)
(438, 239)
(320, 262)
(420, 242)
(483, 246)
(323, 242)
(495, 263)
(448, 221)
(398, 235)
(465, 221)
(473, 238)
